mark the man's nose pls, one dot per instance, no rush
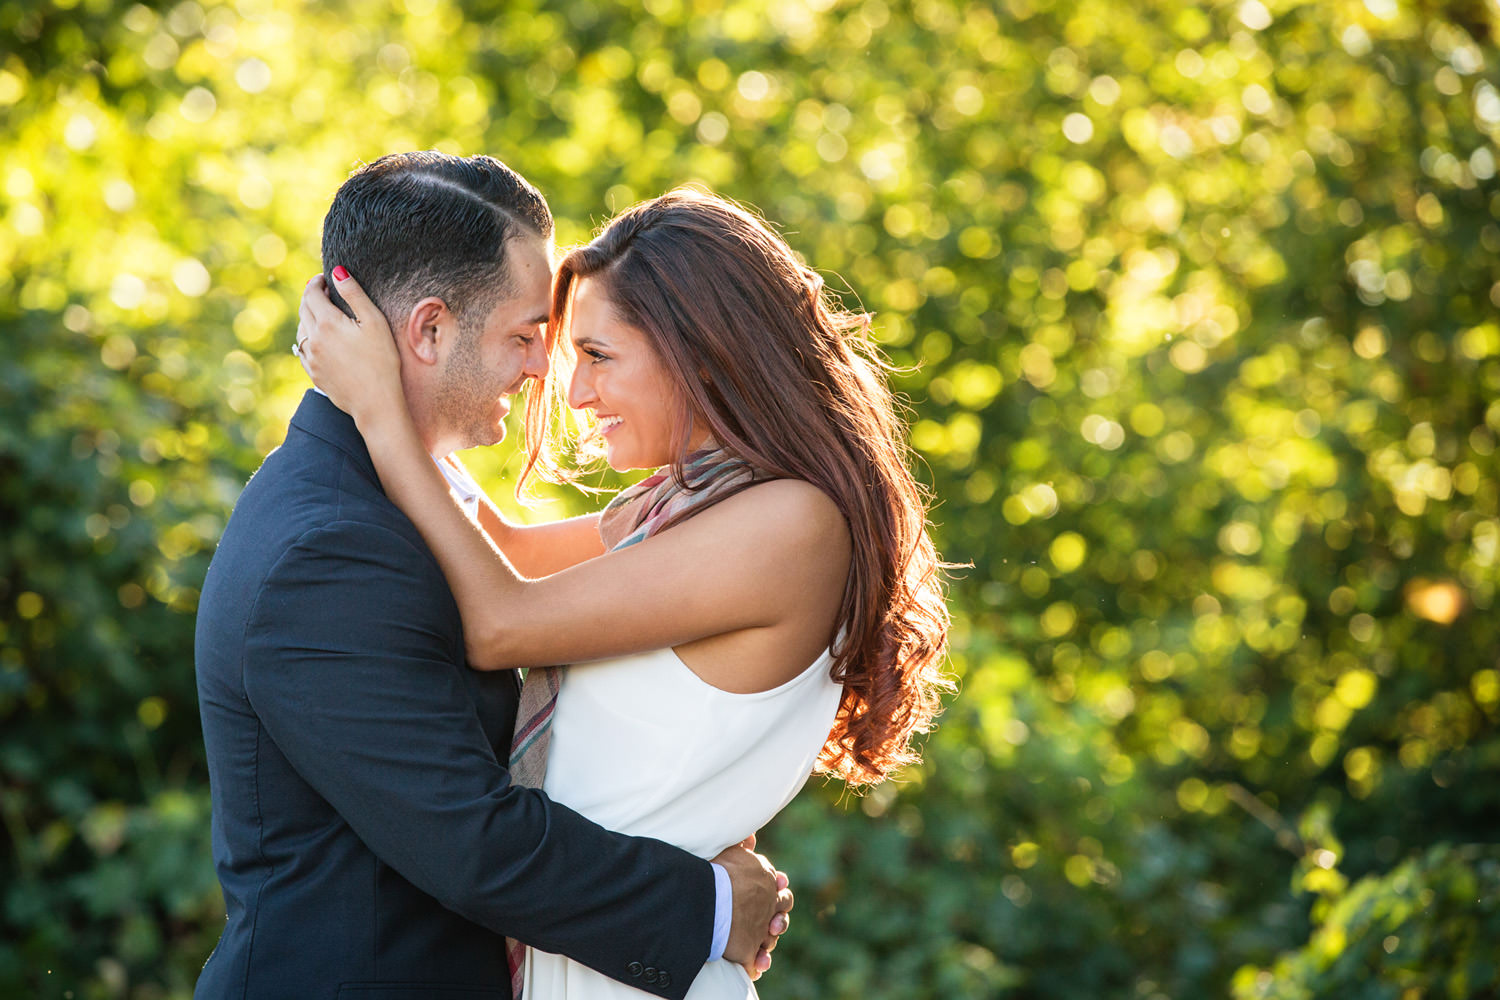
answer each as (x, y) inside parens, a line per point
(536, 359)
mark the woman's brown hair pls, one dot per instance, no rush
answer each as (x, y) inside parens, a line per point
(787, 381)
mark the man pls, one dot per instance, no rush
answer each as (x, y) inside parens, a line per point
(366, 832)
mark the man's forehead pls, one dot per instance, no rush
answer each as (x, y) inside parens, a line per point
(520, 308)
(527, 279)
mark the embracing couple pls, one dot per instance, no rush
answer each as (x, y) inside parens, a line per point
(391, 802)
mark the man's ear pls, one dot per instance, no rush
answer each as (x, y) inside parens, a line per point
(429, 326)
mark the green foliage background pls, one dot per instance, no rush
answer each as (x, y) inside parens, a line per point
(1197, 303)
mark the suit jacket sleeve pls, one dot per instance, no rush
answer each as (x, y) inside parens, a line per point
(350, 666)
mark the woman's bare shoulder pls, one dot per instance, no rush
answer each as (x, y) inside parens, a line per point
(792, 499)
(787, 515)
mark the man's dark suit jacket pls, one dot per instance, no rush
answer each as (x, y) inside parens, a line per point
(368, 838)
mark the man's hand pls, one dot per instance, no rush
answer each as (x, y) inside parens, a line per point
(762, 904)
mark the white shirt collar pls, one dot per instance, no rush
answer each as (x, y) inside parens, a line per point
(462, 485)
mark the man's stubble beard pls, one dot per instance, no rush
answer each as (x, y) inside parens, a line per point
(467, 394)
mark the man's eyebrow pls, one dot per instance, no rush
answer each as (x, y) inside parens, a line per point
(535, 320)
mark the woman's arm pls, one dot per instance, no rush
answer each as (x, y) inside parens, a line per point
(755, 560)
(542, 549)
(537, 549)
(723, 570)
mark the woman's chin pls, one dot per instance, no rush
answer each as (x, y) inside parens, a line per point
(623, 461)
(627, 455)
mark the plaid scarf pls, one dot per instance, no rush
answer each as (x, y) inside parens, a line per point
(660, 501)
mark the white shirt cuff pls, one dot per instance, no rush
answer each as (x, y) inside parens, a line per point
(723, 912)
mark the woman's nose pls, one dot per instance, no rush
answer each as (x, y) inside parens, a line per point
(580, 389)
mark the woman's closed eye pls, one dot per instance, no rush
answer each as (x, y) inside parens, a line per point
(595, 356)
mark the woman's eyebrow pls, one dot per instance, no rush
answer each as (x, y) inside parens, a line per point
(588, 342)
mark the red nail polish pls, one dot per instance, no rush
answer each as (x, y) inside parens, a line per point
(339, 274)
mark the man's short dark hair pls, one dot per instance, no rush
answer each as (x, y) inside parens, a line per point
(413, 225)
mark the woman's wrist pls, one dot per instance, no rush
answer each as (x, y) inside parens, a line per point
(383, 419)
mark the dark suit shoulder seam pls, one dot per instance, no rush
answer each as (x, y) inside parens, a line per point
(302, 542)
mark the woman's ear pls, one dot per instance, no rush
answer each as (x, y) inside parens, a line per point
(429, 326)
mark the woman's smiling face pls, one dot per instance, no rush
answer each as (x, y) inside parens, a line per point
(620, 378)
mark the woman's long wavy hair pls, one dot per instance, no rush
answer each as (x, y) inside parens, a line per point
(787, 381)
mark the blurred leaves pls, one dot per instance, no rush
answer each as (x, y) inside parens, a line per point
(1195, 305)
(1427, 928)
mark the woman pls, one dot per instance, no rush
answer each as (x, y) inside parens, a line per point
(765, 604)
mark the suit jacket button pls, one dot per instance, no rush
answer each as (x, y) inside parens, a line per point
(663, 979)
(650, 977)
(634, 968)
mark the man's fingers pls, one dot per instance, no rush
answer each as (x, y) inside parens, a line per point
(757, 877)
(779, 925)
(761, 963)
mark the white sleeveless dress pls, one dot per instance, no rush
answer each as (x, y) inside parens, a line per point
(642, 745)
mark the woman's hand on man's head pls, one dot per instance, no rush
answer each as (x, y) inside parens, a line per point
(354, 361)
